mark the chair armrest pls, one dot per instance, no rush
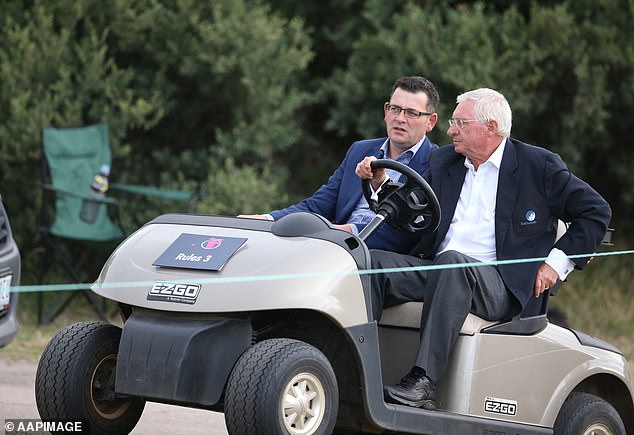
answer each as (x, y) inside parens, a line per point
(151, 191)
(57, 190)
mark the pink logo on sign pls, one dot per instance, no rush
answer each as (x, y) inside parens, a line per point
(211, 243)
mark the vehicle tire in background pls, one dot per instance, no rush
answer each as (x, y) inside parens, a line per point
(584, 413)
(281, 386)
(75, 380)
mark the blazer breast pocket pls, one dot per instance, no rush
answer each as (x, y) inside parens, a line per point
(530, 217)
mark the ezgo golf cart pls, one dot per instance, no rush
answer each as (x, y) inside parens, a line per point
(268, 322)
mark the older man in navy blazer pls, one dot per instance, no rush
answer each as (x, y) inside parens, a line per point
(500, 199)
(409, 116)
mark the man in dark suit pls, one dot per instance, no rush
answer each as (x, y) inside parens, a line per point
(500, 199)
(409, 115)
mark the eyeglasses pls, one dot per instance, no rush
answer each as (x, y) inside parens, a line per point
(461, 122)
(393, 109)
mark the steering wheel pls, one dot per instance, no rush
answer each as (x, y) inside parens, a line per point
(412, 206)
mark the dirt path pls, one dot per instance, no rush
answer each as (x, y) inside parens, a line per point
(17, 401)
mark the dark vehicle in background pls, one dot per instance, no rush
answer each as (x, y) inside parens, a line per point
(9, 276)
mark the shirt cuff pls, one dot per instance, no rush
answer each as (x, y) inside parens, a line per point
(375, 194)
(354, 229)
(558, 260)
(268, 217)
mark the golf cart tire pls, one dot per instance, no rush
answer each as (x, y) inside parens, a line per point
(75, 380)
(584, 413)
(272, 376)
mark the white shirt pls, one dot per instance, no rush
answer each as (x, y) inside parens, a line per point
(472, 228)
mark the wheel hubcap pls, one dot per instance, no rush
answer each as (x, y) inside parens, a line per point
(303, 404)
(598, 429)
(102, 395)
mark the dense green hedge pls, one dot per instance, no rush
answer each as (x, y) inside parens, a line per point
(255, 102)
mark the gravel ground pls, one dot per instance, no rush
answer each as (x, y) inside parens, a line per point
(17, 401)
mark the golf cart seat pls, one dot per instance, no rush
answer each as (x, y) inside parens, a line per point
(408, 315)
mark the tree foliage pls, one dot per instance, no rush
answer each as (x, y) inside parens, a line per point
(255, 101)
(56, 70)
(566, 69)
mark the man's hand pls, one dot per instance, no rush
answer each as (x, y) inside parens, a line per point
(253, 216)
(344, 227)
(546, 278)
(376, 176)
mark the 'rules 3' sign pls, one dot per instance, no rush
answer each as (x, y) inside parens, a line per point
(195, 251)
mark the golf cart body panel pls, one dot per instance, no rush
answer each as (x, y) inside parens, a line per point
(323, 277)
(491, 375)
(170, 359)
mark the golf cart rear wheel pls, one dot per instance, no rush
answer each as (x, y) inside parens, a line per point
(586, 414)
(280, 387)
(75, 380)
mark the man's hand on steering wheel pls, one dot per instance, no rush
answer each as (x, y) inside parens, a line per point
(411, 206)
(376, 176)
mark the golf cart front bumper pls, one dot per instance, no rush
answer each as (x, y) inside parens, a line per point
(179, 359)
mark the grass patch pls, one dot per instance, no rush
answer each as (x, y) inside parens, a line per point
(599, 301)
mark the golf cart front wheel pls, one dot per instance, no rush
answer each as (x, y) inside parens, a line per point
(281, 387)
(587, 414)
(75, 380)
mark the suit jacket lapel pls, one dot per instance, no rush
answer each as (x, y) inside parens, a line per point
(508, 185)
(423, 154)
(450, 188)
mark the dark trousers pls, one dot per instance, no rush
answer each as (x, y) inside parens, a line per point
(449, 295)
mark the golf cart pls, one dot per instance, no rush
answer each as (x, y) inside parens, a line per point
(268, 322)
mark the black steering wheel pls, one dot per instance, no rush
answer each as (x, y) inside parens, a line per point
(412, 206)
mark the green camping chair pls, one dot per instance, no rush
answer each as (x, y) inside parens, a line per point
(72, 158)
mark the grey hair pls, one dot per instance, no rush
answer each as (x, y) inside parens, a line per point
(490, 105)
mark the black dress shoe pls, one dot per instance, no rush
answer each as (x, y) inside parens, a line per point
(415, 391)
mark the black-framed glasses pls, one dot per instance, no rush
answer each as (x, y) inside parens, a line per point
(461, 122)
(393, 109)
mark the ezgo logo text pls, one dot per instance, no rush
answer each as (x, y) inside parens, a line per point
(500, 406)
(174, 292)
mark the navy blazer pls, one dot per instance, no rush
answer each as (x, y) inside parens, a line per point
(337, 199)
(535, 189)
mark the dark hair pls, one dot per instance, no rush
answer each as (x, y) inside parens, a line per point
(416, 84)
